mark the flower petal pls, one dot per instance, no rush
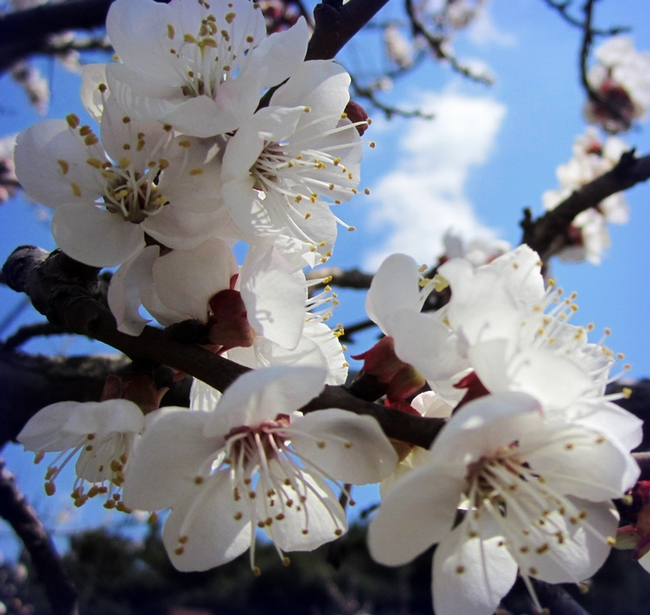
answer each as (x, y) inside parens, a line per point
(417, 512)
(346, 446)
(471, 574)
(204, 529)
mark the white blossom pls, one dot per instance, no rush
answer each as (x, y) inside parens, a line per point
(293, 160)
(253, 462)
(199, 66)
(536, 496)
(139, 180)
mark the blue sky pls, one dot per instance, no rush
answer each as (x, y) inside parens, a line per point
(491, 152)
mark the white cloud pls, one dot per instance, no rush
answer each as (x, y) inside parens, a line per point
(424, 195)
(483, 31)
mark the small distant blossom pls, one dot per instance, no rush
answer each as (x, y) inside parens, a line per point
(254, 461)
(199, 66)
(478, 251)
(593, 157)
(535, 496)
(8, 179)
(398, 48)
(35, 85)
(284, 169)
(140, 179)
(622, 78)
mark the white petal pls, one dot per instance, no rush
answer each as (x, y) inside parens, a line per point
(124, 290)
(38, 152)
(95, 236)
(206, 521)
(282, 53)
(186, 280)
(104, 418)
(393, 287)
(348, 447)
(427, 344)
(203, 396)
(582, 550)
(471, 575)
(417, 512)
(322, 85)
(43, 431)
(274, 297)
(307, 524)
(263, 394)
(168, 459)
(580, 462)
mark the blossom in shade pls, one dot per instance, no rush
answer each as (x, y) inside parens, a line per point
(291, 161)
(535, 496)
(140, 179)
(254, 461)
(199, 66)
(101, 435)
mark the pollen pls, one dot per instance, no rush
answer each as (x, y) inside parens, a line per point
(65, 167)
(230, 17)
(76, 189)
(460, 569)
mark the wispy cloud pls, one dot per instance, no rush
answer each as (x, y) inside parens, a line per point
(483, 31)
(424, 195)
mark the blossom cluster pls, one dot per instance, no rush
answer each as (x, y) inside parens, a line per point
(621, 80)
(185, 161)
(592, 157)
(534, 451)
(212, 133)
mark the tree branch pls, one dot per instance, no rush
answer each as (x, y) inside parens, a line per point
(548, 234)
(61, 289)
(15, 509)
(337, 23)
(24, 33)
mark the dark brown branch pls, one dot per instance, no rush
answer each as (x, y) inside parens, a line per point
(548, 234)
(337, 23)
(24, 33)
(15, 509)
(61, 289)
(31, 382)
(345, 278)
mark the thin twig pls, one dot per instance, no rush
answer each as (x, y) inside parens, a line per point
(28, 332)
(562, 7)
(436, 43)
(389, 111)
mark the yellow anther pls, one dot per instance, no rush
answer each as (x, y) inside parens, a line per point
(627, 392)
(94, 162)
(50, 488)
(125, 162)
(76, 189)
(230, 17)
(196, 171)
(439, 282)
(73, 120)
(65, 167)
(188, 38)
(91, 140)
(102, 88)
